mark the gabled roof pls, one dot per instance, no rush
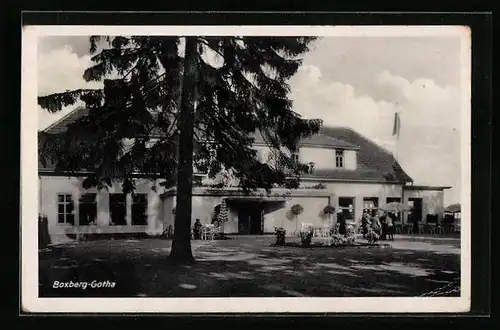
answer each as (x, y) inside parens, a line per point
(61, 124)
(374, 163)
(318, 141)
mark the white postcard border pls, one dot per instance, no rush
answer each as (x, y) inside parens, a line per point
(29, 186)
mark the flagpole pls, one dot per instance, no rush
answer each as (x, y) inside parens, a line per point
(396, 131)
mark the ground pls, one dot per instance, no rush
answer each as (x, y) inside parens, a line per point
(245, 266)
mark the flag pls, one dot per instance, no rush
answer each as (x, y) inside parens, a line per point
(397, 125)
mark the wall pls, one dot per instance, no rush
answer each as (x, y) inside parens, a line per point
(432, 201)
(323, 158)
(281, 217)
(203, 207)
(50, 186)
(312, 201)
(275, 213)
(359, 191)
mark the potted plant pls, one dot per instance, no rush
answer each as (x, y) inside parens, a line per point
(280, 233)
(328, 211)
(372, 237)
(306, 235)
(296, 210)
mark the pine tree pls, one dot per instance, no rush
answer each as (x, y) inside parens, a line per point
(180, 108)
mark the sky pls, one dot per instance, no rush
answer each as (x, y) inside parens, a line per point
(358, 82)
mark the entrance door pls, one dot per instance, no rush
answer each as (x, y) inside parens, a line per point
(249, 219)
(243, 222)
(256, 221)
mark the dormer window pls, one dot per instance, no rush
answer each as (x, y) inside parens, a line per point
(204, 164)
(339, 158)
(213, 155)
(311, 167)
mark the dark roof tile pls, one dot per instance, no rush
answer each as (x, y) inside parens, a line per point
(374, 163)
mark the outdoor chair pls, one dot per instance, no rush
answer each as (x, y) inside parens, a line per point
(208, 232)
(421, 228)
(439, 229)
(432, 228)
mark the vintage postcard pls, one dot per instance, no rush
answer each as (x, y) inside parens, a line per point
(223, 169)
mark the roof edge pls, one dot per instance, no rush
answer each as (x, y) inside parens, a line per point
(60, 120)
(425, 187)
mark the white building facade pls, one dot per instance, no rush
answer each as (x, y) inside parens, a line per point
(347, 171)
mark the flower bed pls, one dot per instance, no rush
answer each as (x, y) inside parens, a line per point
(323, 245)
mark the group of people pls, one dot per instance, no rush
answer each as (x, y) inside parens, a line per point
(197, 227)
(382, 224)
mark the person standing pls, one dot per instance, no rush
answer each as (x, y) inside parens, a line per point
(383, 222)
(364, 224)
(390, 226)
(342, 224)
(375, 225)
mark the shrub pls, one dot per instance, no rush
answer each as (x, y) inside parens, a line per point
(338, 239)
(280, 235)
(372, 237)
(306, 237)
(319, 186)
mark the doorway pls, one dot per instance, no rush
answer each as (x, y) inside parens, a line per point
(250, 220)
(416, 210)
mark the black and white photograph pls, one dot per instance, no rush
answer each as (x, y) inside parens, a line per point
(298, 163)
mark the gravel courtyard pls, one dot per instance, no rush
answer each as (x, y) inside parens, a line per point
(246, 266)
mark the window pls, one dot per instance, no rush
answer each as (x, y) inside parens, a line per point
(65, 208)
(339, 158)
(295, 158)
(346, 204)
(139, 209)
(87, 209)
(370, 205)
(118, 209)
(311, 167)
(213, 154)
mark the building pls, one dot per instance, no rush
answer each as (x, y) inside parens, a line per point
(347, 171)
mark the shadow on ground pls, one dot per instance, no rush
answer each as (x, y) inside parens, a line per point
(245, 267)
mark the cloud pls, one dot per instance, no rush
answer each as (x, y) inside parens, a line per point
(429, 143)
(60, 70)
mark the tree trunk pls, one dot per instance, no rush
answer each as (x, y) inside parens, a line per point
(181, 245)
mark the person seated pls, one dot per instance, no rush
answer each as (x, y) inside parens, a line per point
(197, 229)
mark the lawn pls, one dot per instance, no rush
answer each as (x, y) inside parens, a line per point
(248, 266)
